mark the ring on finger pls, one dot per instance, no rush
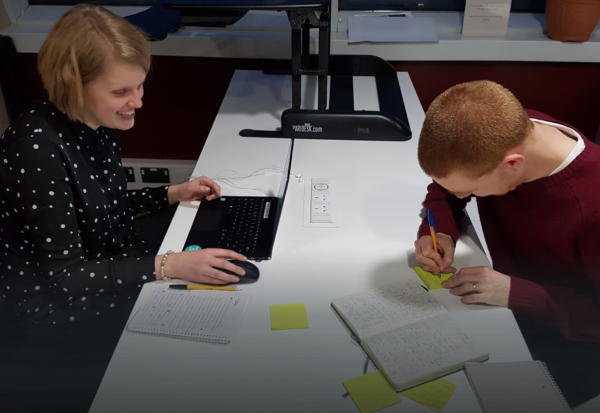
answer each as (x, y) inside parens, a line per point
(474, 287)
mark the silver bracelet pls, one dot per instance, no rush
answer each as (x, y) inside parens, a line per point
(162, 265)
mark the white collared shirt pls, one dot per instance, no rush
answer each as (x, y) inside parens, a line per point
(577, 149)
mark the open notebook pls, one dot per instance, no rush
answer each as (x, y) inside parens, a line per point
(408, 334)
(202, 315)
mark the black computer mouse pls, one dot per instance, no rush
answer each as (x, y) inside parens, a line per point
(252, 272)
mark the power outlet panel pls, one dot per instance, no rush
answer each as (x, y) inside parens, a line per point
(143, 173)
(156, 175)
(321, 201)
(129, 173)
(321, 208)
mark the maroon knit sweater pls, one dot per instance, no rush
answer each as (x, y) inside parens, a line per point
(546, 236)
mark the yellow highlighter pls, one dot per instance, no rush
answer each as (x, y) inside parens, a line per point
(200, 287)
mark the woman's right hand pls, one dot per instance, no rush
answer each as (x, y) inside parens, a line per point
(201, 266)
(432, 261)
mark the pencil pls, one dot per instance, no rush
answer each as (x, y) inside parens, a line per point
(433, 239)
(432, 231)
(200, 287)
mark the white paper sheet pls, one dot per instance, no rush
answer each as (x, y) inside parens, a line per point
(387, 29)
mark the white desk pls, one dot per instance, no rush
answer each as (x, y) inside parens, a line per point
(380, 190)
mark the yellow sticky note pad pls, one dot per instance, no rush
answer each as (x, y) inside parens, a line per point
(288, 316)
(435, 393)
(371, 392)
(431, 280)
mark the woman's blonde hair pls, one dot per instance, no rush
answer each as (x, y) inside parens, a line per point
(469, 128)
(79, 47)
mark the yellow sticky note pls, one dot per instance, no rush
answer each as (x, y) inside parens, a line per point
(431, 280)
(371, 392)
(288, 316)
(435, 393)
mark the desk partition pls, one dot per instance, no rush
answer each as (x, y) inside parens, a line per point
(380, 188)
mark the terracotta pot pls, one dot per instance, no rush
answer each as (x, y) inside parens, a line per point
(571, 20)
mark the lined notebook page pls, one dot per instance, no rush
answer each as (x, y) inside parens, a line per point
(423, 350)
(203, 315)
(378, 310)
(518, 386)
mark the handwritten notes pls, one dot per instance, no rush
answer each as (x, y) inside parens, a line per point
(210, 316)
(394, 305)
(288, 316)
(421, 348)
(371, 392)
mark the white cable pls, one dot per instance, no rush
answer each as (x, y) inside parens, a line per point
(276, 170)
(229, 183)
(270, 170)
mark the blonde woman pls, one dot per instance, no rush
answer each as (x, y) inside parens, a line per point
(70, 259)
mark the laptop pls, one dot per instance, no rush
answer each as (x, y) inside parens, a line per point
(244, 224)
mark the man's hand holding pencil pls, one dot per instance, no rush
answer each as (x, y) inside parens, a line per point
(435, 252)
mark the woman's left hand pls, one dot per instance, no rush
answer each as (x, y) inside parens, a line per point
(480, 285)
(198, 188)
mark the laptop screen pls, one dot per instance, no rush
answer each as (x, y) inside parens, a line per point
(285, 178)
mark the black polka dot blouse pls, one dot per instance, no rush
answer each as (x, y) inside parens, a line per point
(67, 243)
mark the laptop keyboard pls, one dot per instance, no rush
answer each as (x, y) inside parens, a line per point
(243, 219)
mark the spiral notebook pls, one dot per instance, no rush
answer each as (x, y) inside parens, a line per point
(203, 315)
(516, 387)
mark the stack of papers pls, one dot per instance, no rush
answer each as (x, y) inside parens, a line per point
(390, 29)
